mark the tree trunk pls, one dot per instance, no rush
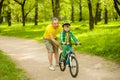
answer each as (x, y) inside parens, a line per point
(55, 8)
(9, 14)
(36, 12)
(72, 11)
(106, 16)
(17, 18)
(116, 3)
(1, 5)
(22, 4)
(1, 18)
(115, 16)
(91, 19)
(97, 13)
(80, 14)
(23, 16)
(9, 18)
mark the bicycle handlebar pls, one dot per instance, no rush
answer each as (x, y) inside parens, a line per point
(71, 44)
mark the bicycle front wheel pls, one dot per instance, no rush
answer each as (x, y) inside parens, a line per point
(62, 63)
(73, 65)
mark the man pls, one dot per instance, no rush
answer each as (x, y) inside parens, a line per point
(50, 39)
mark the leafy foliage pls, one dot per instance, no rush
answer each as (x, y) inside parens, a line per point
(45, 9)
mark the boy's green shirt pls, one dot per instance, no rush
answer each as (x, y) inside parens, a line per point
(63, 37)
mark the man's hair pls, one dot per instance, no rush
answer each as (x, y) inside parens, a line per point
(54, 19)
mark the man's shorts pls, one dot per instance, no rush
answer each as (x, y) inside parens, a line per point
(51, 47)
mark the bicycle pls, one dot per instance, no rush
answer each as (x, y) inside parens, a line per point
(70, 60)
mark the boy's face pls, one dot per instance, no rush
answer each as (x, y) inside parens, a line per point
(66, 28)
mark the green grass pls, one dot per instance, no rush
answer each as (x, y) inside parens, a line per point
(29, 31)
(9, 71)
(103, 41)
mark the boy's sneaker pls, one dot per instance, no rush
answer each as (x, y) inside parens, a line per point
(63, 59)
(51, 68)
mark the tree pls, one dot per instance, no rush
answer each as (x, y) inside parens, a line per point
(55, 8)
(97, 13)
(1, 5)
(116, 6)
(24, 15)
(9, 14)
(22, 4)
(106, 16)
(105, 13)
(36, 12)
(79, 2)
(72, 10)
(91, 19)
(80, 7)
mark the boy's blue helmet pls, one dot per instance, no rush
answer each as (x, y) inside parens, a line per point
(65, 23)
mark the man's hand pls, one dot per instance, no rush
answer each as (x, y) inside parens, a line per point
(60, 47)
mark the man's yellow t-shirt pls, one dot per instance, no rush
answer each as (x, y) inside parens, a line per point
(50, 30)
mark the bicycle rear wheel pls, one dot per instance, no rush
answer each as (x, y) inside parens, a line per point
(61, 63)
(73, 65)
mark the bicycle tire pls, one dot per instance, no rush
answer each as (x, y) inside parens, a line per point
(61, 63)
(71, 66)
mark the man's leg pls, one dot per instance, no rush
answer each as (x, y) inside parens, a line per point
(50, 54)
(50, 58)
(56, 54)
(57, 58)
(51, 67)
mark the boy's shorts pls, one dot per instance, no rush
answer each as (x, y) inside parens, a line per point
(51, 47)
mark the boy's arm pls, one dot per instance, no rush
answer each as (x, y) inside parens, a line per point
(73, 37)
(62, 36)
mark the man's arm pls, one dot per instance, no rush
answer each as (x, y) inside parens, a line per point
(55, 41)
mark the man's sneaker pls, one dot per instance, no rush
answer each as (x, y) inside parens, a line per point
(51, 67)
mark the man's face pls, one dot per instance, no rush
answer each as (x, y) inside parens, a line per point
(66, 28)
(55, 23)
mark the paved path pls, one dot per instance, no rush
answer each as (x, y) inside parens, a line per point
(31, 56)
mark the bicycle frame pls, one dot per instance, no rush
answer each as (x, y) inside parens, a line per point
(68, 56)
(71, 61)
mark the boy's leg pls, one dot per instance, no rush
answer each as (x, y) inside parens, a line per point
(68, 49)
(64, 47)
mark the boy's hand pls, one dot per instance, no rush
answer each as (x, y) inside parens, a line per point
(77, 43)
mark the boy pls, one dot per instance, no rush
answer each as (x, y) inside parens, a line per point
(65, 38)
